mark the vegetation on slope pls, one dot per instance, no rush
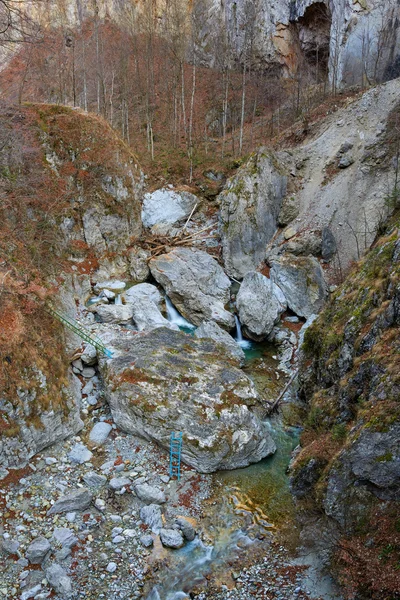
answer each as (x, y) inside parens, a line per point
(54, 162)
(350, 380)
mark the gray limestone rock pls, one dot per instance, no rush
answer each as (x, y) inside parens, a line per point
(114, 313)
(113, 285)
(38, 550)
(147, 316)
(171, 538)
(9, 546)
(89, 355)
(59, 580)
(250, 205)
(143, 291)
(209, 329)
(188, 531)
(165, 377)
(146, 541)
(100, 432)
(78, 500)
(151, 516)
(64, 537)
(370, 466)
(150, 494)
(196, 285)
(301, 280)
(260, 304)
(138, 261)
(329, 246)
(117, 483)
(79, 454)
(167, 206)
(56, 423)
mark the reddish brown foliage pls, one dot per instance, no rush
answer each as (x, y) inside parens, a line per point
(368, 564)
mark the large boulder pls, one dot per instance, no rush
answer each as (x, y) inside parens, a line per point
(301, 279)
(143, 291)
(114, 313)
(260, 303)
(250, 206)
(148, 316)
(196, 285)
(167, 206)
(209, 329)
(165, 380)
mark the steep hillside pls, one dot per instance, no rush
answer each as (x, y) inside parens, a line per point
(69, 191)
(350, 378)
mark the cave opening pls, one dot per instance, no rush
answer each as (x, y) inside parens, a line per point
(313, 33)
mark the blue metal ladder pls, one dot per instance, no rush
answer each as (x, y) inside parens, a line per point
(175, 449)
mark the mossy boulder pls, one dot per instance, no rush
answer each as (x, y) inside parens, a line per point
(166, 380)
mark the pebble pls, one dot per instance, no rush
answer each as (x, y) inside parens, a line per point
(111, 567)
(80, 454)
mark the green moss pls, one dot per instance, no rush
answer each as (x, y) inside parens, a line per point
(388, 456)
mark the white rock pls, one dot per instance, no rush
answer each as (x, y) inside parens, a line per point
(100, 504)
(113, 286)
(100, 432)
(79, 454)
(167, 206)
(111, 567)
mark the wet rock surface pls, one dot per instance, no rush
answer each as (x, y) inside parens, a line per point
(210, 330)
(196, 285)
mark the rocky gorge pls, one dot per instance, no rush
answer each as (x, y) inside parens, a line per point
(166, 287)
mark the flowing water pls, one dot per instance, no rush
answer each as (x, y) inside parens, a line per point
(251, 501)
(245, 344)
(174, 316)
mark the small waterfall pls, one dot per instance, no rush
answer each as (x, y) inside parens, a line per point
(118, 300)
(174, 316)
(239, 337)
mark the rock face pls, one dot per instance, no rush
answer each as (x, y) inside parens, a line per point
(167, 206)
(250, 206)
(301, 280)
(346, 205)
(260, 303)
(348, 375)
(286, 33)
(166, 377)
(196, 285)
(102, 186)
(211, 330)
(372, 463)
(56, 423)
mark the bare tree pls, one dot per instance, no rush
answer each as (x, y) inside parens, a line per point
(16, 26)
